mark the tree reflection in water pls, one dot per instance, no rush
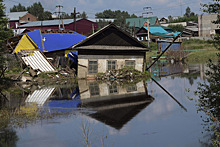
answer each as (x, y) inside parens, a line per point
(209, 100)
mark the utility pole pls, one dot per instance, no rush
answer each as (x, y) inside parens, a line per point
(74, 18)
(148, 32)
(59, 12)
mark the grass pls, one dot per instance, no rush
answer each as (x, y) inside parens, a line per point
(201, 50)
(200, 55)
(196, 44)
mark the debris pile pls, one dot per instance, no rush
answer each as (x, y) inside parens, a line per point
(125, 73)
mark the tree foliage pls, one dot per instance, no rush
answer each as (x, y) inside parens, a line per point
(185, 19)
(37, 10)
(189, 13)
(4, 34)
(177, 28)
(83, 15)
(209, 93)
(118, 16)
(188, 16)
(18, 8)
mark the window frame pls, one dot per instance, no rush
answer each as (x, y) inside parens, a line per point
(133, 66)
(94, 89)
(111, 64)
(92, 71)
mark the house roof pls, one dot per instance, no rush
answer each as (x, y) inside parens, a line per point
(46, 23)
(139, 22)
(51, 22)
(160, 31)
(117, 110)
(111, 38)
(54, 42)
(15, 15)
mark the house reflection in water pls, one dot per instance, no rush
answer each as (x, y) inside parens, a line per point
(109, 103)
(114, 105)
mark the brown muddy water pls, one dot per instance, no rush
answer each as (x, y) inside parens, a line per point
(159, 112)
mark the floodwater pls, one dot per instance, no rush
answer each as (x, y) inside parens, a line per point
(159, 112)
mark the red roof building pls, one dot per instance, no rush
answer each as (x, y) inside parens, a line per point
(83, 26)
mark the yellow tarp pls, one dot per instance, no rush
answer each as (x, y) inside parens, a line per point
(66, 52)
(26, 43)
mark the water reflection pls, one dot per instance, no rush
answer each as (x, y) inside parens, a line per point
(109, 103)
(114, 105)
(163, 69)
(129, 112)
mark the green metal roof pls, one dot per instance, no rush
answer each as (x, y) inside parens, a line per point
(139, 22)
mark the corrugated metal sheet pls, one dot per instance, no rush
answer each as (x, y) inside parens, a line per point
(16, 15)
(46, 23)
(40, 96)
(37, 61)
(139, 22)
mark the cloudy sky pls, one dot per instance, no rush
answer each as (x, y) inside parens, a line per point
(160, 8)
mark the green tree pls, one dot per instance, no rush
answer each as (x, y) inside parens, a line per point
(47, 15)
(177, 28)
(83, 15)
(188, 12)
(18, 8)
(37, 10)
(4, 34)
(209, 93)
(170, 18)
(118, 15)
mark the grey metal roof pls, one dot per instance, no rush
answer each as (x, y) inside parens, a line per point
(46, 23)
(15, 15)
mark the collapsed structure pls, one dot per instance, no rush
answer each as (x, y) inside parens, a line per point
(108, 49)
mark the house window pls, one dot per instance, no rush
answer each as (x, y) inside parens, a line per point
(28, 19)
(93, 66)
(111, 64)
(130, 63)
(131, 88)
(94, 89)
(113, 89)
(8, 25)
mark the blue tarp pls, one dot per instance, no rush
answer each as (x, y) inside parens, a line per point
(65, 105)
(55, 42)
(36, 37)
(176, 46)
(160, 31)
(73, 55)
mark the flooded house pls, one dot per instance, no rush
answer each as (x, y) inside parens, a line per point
(108, 49)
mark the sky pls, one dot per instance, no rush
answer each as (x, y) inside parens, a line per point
(159, 8)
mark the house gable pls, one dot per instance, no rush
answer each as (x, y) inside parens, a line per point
(111, 37)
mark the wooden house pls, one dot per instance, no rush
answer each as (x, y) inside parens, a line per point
(109, 48)
(139, 22)
(156, 32)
